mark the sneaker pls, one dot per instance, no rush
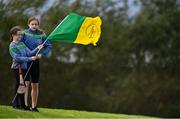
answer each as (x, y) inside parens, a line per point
(27, 108)
(34, 109)
(16, 107)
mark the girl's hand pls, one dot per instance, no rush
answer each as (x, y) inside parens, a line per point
(39, 56)
(40, 46)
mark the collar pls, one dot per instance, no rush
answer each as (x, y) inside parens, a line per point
(15, 41)
(33, 31)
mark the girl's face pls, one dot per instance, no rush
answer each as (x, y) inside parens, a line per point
(17, 36)
(34, 25)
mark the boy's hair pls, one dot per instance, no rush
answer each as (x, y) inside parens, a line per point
(14, 30)
(33, 18)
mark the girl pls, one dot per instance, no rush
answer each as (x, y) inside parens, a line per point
(33, 37)
(21, 55)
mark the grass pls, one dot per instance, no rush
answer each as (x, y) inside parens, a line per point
(9, 112)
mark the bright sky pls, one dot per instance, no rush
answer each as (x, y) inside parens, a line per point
(133, 8)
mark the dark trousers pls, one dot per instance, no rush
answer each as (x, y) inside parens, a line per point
(19, 99)
(34, 72)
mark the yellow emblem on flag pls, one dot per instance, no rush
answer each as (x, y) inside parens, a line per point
(90, 31)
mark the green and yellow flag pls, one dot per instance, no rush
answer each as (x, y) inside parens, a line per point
(77, 29)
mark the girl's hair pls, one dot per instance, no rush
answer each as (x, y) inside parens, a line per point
(14, 30)
(33, 18)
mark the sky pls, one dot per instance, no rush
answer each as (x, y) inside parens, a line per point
(133, 8)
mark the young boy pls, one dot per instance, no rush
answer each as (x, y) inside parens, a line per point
(21, 55)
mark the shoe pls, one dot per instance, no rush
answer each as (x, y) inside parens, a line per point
(16, 107)
(27, 108)
(34, 109)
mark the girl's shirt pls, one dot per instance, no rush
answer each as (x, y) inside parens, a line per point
(32, 39)
(21, 54)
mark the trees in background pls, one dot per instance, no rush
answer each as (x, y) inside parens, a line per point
(134, 69)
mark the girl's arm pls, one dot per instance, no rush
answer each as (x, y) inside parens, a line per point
(31, 53)
(47, 48)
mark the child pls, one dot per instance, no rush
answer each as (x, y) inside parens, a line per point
(21, 55)
(33, 37)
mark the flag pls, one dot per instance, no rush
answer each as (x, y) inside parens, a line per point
(77, 29)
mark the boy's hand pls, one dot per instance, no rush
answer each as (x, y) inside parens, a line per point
(34, 58)
(39, 56)
(40, 46)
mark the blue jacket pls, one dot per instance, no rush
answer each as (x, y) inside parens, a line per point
(20, 54)
(34, 38)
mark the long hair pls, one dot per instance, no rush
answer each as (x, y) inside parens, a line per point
(33, 18)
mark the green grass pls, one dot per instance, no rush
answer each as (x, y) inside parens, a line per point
(9, 112)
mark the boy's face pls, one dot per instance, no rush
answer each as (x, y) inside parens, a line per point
(17, 36)
(33, 25)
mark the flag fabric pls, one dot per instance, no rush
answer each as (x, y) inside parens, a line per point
(77, 29)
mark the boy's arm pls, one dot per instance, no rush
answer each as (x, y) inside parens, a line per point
(18, 58)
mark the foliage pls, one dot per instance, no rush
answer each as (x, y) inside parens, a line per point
(134, 69)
